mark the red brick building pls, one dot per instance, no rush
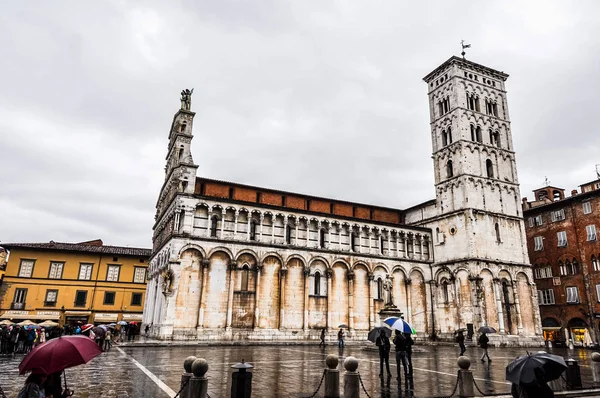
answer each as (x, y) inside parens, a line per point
(562, 238)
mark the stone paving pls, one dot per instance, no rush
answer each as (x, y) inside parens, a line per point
(282, 371)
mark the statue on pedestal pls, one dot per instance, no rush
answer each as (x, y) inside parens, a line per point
(388, 297)
(186, 99)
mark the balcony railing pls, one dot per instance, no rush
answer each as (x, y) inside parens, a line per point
(17, 306)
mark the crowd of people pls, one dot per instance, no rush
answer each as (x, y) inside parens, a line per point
(17, 339)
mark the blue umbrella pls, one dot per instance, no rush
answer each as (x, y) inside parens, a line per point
(121, 323)
(399, 324)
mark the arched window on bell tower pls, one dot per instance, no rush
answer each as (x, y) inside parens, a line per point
(449, 135)
(322, 238)
(497, 229)
(444, 138)
(478, 134)
(288, 234)
(252, 230)
(214, 225)
(449, 169)
(489, 167)
(472, 132)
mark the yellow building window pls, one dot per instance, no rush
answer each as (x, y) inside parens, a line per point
(56, 270)
(26, 269)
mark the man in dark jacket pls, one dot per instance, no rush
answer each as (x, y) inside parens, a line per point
(483, 343)
(409, 343)
(401, 360)
(383, 342)
(460, 339)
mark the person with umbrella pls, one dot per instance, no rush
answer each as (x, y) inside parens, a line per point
(53, 386)
(530, 373)
(401, 345)
(483, 343)
(341, 338)
(383, 342)
(460, 339)
(322, 342)
(33, 386)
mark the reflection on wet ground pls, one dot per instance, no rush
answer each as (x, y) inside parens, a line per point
(279, 371)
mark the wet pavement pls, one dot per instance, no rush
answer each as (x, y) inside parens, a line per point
(279, 371)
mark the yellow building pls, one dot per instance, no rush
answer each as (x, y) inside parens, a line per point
(70, 282)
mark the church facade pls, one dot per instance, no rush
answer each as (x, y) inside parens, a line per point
(232, 261)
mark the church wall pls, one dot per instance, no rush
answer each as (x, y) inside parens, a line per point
(216, 291)
(268, 299)
(188, 290)
(418, 302)
(361, 298)
(294, 295)
(339, 296)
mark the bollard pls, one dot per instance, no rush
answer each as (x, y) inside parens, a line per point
(595, 367)
(573, 374)
(571, 346)
(332, 377)
(241, 381)
(185, 378)
(351, 378)
(465, 378)
(198, 385)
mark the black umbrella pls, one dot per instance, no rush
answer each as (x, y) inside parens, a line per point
(99, 332)
(537, 367)
(487, 329)
(343, 326)
(373, 334)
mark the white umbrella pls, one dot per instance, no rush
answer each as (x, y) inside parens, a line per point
(587, 339)
(48, 324)
(26, 323)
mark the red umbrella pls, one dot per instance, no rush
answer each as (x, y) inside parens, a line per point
(86, 327)
(58, 354)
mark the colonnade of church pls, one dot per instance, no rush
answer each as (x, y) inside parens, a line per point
(209, 220)
(218, 290)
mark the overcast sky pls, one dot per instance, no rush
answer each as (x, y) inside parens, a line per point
(316, 97)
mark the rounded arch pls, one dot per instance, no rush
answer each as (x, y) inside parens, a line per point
(550, 323)
(194, 247)
(340, 261)
(222, 250)
(399, 269)
(318, 258)
(504, 274)
(296, 257)
(382, 266)
(272, 254)
(417, 271)
(577, 323)
(442, 272)
(246, 251)
(360, 263)
(522, 276)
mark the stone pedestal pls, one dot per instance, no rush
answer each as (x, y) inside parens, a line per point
(388, 311)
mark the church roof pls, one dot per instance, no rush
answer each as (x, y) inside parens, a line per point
(465, 62)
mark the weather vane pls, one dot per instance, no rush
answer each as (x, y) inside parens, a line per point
(546, 181)
(462, 43)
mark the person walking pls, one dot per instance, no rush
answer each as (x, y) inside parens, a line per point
(107, 340)
(33, 387)
(401, 344)
(53, 386)
(322, 343)
(146, 330)
(383, 342)
(460, 339)
(483, 343)
(341, 338)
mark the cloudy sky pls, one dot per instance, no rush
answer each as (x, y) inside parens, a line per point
(318, 97)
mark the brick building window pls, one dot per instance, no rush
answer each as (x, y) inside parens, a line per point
(591, 232)
(539, 243)
(530, 221)
(26, 268)
(595, 263)
(572, 294)
(598, 293)
(538, 220)
(546, 297)
(543, 272)
(56, 270)
(569, 268)
(562, 238)
(587, 207)
(558, 215)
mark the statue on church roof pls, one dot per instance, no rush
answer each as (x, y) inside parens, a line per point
(186, 99)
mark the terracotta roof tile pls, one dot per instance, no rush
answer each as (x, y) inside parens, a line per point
(82, 248)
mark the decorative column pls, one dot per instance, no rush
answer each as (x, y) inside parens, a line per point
(307, 232)
(296, 237)
(249, 226)
(259, 266)
(235, 222)
(282, 274)
(389, 239)
(350, 276)
(534, 300)
(407, 283)
(498, 295)
(223, 213)
(329, 274)
(262, 218)
(406, 247)
(518, 308)
(397, 244)
(359, 239)
(306, 294)
(205, 264)
(273, 219)
(370, 278)
(369, 239)
(420, 241)
(232, 267)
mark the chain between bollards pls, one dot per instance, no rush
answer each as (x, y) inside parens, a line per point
(320, 384)
(182, 388)
(477, 387)
(453, 390)
(362, 385)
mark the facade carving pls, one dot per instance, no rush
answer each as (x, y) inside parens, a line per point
(251, 263)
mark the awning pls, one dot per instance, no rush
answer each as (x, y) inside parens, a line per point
(40, 315)
(104, 317)
(78, 313)
(132, 317)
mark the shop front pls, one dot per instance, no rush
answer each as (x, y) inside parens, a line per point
(34, 316)
(104, 317)
(551, 329)
(132, 317)
(75, 317)
(578, 331)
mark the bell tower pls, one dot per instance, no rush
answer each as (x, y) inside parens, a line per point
(180, 170)
(474, 162)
